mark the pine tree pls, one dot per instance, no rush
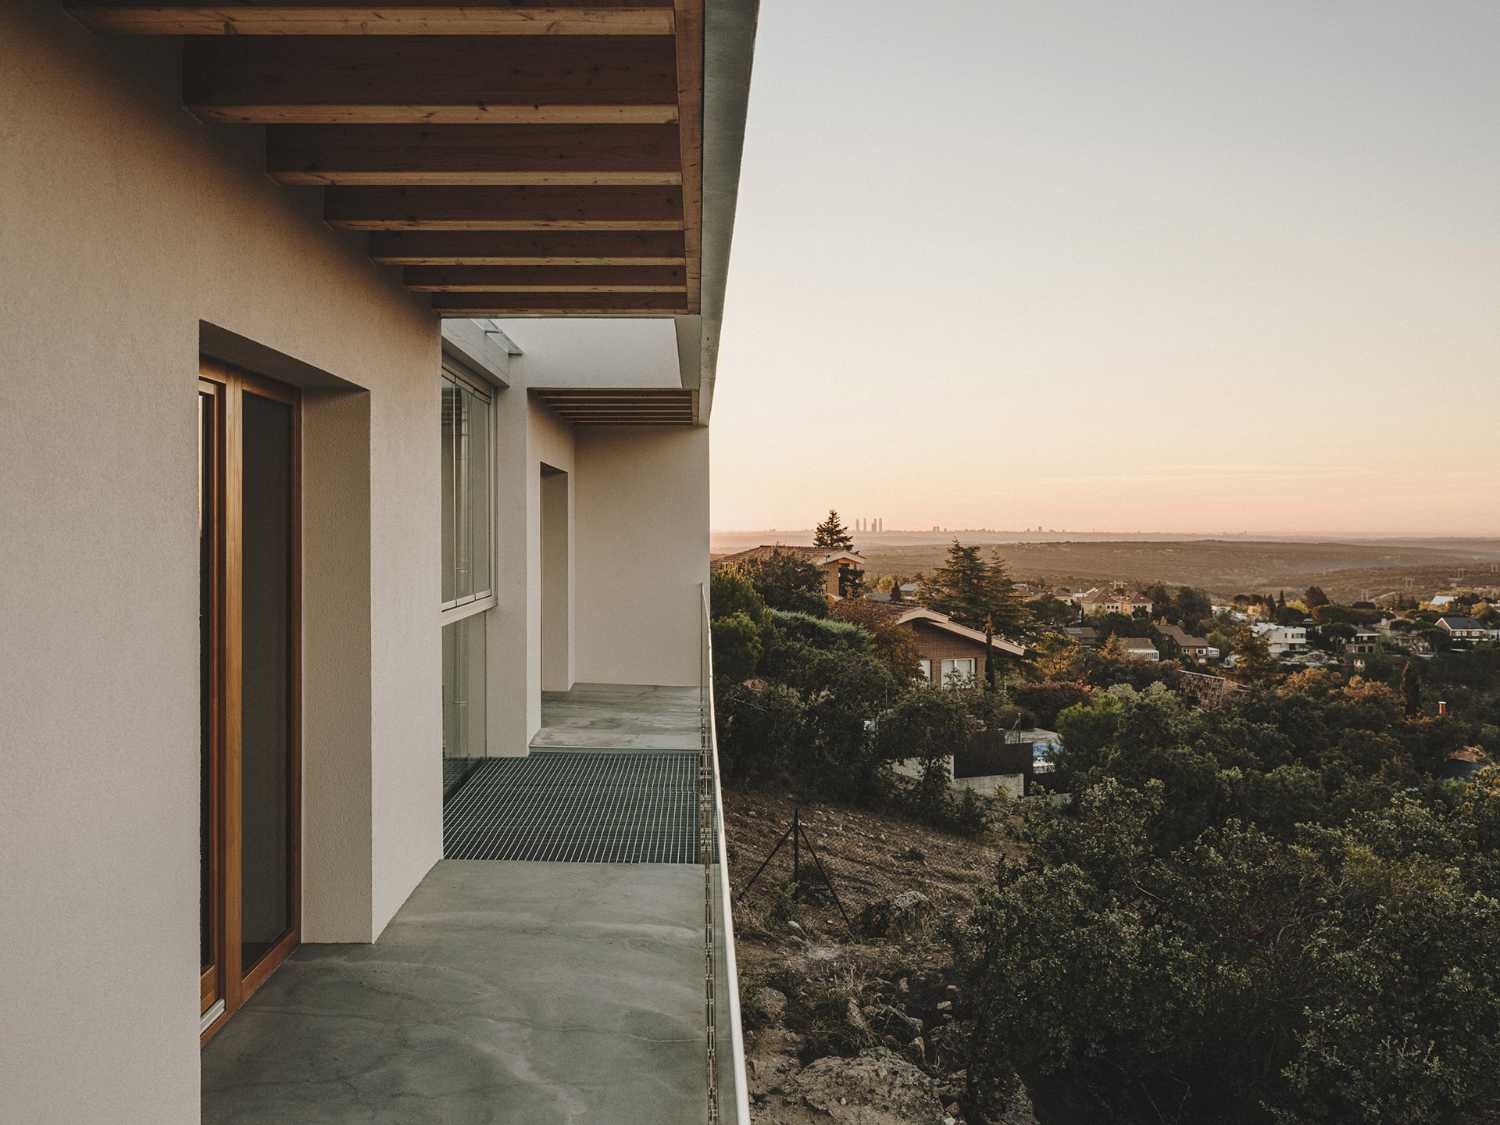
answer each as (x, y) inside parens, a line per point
(1411, 689)
(832, 535)
(1315, 597)
(973, 591)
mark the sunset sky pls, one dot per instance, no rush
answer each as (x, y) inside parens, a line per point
(1188, 266)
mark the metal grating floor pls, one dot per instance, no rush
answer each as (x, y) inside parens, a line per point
(576, 807)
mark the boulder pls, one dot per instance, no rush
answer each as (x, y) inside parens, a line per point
(877, 1087)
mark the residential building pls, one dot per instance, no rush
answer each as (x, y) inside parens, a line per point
(842, 571)
(1114, 601)
(1178, 644)
(320, 502)
(1365, 642)
(1282, 640)
(1139, 648)
(950, 653)
(1467, 629)
(1081, 634)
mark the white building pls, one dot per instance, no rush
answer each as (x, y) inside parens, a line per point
(1282, 639)
(327, 447)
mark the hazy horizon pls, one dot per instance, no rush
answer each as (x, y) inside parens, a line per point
(1170, 267)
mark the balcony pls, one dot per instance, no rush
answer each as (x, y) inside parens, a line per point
(583, 974)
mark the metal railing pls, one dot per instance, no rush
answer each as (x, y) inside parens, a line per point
(728, 1094)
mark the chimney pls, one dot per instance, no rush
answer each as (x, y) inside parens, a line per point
(1442, 707)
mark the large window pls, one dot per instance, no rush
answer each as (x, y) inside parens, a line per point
(468, 492)
(468, 567)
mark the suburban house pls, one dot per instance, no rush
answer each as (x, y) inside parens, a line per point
(1178, 644)
(995, 762)
(1113, 601)
(1467, 629)
(950, 652)
(376, 530)
(1139, 648)
(1365, 642)
(842, 571)
(1282, 640)
(1081, 634)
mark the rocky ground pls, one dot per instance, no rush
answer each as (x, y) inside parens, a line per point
(861, 1023)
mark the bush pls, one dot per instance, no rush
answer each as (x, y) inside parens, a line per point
(737, 647)
(785, 580)
(731, 592)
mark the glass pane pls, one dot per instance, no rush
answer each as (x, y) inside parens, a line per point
(266, 749)
(463, 696)
(207, 559)
(477, 492)
(451, 400)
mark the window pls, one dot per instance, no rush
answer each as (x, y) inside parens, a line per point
(468, 561)
(957, 672)
(468, 491)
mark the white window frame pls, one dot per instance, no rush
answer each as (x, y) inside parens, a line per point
(950, 667)
(926, 669)
(457, 609)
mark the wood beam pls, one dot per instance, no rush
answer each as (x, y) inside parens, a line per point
(560, 304)
(543, 248)
(474, 154)
(689, 56)
(431, 80)
(407, 17)
(504, 208)
(543, 279)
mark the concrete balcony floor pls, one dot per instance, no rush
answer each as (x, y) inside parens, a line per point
(620, 717)
(503, 991)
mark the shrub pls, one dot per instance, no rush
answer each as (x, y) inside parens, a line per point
(737, 647)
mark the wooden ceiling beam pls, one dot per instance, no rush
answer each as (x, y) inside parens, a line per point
(543, 279)
(560, 304)
(406, 17)
(527, 248)
(504, 208)
(431, 80)
(689, 56)
(618, 155)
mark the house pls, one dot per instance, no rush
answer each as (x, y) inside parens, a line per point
(1139, 648)
(1179, 644)
(841, 570)
(994, 762)
(1101, 602)
(950, 653)
(1081, 634)
(358, 368)
(1467, 629)
(1365, 642)
(1282, 640)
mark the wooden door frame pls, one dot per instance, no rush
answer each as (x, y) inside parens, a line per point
(239, 984)
(210, 980)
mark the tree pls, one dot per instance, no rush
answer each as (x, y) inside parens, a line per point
(893, 646)
(787, 581)
(1315, 597)
(832, 535)
(974, 592)
(896, 595)
(737, 647)
(1411, 689)
(1253, 654)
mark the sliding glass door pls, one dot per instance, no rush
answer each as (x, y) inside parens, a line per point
(250, 676)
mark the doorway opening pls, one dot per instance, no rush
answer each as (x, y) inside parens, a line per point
(249, 607)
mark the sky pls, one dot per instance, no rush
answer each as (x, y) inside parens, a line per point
(1189, 267)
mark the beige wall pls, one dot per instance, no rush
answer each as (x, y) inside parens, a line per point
(557, 581)
(123, 223)
(640, 552)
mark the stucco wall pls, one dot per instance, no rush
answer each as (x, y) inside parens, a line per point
(123, 223)
(641, 553)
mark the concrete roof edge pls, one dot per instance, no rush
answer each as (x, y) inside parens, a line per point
(729, 53)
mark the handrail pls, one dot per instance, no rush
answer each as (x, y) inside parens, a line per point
(724, 1081)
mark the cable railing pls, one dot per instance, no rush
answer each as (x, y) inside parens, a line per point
(728, 1095)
